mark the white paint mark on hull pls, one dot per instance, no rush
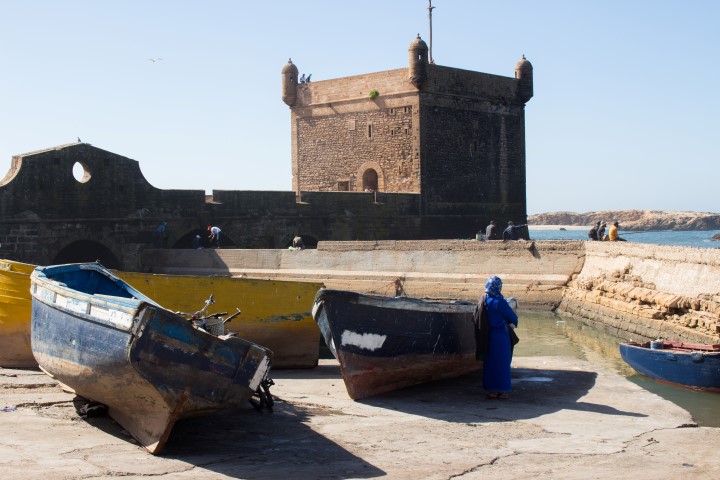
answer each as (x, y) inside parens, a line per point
(367, 341)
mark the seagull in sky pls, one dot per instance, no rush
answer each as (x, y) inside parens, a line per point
(155, 59)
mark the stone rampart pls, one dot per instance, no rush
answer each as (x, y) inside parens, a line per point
(635, 291)
(535, 273)
(642, 291)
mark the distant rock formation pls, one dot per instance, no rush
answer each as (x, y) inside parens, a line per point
(635, 220)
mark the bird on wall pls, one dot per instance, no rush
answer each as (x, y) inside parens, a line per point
(79, 141)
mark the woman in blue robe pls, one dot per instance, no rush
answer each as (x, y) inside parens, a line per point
(496, 367)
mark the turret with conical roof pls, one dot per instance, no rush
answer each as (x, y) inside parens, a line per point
(418, 56)
(524, 76)
(289, 83)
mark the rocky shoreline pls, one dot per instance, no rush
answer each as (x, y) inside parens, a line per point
(633, 220)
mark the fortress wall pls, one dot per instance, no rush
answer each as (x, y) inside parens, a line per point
(642, 291)
(636, 291)
(453, 269)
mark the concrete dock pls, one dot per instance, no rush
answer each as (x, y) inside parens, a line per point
(566, 419)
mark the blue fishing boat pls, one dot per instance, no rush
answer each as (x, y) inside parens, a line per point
(683, 364)
(111, 344)
(387, 343)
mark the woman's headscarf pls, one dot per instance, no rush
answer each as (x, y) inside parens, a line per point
(493, 286)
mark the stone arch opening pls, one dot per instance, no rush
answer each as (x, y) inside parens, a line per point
(370, 177)
(86, 251)
(370, 180)
(188, 240)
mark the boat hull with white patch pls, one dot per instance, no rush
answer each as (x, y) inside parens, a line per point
(387, 343)
(109, 343)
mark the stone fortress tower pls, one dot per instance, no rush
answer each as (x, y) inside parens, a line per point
(455, 137)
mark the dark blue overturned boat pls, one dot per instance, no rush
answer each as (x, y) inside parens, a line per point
(386, 343)
(684, 364)
(109, 343)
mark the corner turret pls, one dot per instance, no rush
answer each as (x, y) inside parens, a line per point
(524, 76)
(418, 56)
(289, 83)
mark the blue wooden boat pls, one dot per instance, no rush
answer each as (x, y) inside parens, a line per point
(109, 343)
(683, 364)
(386, 343)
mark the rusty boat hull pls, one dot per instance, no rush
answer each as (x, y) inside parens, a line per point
(387, 343)
(109, 343)
(15, 307)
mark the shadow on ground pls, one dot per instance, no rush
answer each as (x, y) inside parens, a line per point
(251, 444)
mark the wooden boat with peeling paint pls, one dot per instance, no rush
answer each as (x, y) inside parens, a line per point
(15, 306)
(387, 343)
(684, 364)
(111, 344)
(275, 314)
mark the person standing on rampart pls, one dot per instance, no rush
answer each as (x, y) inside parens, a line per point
(214, 237)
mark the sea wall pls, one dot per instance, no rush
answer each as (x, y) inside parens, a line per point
(535, 273)
(641, 291)
(632, 290)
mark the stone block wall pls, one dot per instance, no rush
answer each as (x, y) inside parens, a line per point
(634, 291)
(643, 292)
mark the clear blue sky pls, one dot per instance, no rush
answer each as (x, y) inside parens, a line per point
(625, 113)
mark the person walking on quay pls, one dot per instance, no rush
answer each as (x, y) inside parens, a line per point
(214, 237)
(491, 232)
(510, 233)
(498, 352)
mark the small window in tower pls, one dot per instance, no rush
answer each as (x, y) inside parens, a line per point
(370, 130)
(351, 124)
(407, 131)
(407, 109)
(391, 111)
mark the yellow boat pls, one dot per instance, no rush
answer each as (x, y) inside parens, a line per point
(275, 314)
(15, 307)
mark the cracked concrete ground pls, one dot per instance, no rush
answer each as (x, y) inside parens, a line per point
(566, 419)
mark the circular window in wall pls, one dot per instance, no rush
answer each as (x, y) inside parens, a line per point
(81, 173)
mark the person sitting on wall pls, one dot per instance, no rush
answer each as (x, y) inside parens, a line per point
(613, 233)
(601, 231)
(510, 233)
(593, 233)
(302, 78)
(298, 243)
(491, 232)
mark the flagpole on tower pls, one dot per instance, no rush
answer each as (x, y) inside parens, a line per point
(430, 9)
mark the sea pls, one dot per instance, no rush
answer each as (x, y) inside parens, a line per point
(547, 334)
(692, 238)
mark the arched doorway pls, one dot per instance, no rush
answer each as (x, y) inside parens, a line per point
(370, 180)
(86, 251)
